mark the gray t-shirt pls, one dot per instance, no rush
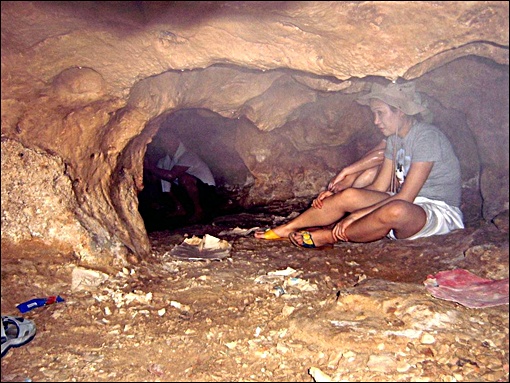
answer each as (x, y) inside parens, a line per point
(426, 143)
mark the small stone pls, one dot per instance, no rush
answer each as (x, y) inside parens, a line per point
(281, 348)
(403, 366)
(427, 339)
(231, 345)
(318, 375)
(287, 310)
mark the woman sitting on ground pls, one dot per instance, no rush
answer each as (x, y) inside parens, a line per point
(416, 193)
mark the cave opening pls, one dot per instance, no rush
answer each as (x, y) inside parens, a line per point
(210, 137)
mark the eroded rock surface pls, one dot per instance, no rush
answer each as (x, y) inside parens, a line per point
(90, 84)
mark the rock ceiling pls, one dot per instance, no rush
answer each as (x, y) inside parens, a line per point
(340, 39)
(85, 86)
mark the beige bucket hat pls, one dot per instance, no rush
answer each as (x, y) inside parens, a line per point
(401, 96)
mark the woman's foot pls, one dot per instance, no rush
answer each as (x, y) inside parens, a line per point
(320, 239)
(271, 234)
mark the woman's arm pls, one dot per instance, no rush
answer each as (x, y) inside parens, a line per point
(346, 177)
(416, 177)
(373, 158)
(383, 180)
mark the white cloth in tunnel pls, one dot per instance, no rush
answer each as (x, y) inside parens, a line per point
(183, 157)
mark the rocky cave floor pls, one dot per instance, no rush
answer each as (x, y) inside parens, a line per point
(355, 312)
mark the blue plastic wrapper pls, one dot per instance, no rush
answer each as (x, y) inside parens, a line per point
(38, 302)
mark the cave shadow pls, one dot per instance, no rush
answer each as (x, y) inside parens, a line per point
(204, 133)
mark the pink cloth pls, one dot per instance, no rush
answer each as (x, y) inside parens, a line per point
(468, 289)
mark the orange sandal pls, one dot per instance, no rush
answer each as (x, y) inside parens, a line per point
(270, 235)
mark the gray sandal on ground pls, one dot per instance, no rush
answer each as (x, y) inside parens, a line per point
(16, 331)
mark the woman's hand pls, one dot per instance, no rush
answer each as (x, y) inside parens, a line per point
(339, 229)
(342, 181)
(340, 185)
(317, 203)
(336, 180)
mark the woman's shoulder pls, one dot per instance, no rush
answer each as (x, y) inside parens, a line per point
(422, 125)
(422, 129)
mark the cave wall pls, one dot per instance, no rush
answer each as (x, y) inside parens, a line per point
(85, 86)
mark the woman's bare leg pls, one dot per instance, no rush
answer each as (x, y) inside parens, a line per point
(404, 218)
(334, 208)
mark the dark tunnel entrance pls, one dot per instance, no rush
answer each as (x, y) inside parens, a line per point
(204, 173)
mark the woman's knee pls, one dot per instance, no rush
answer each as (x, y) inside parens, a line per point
(395, 211)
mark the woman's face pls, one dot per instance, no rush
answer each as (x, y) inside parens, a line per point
(386, 119)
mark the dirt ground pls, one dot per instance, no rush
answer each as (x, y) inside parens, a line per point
(268, 312)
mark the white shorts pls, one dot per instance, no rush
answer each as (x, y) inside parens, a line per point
(441, 218)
